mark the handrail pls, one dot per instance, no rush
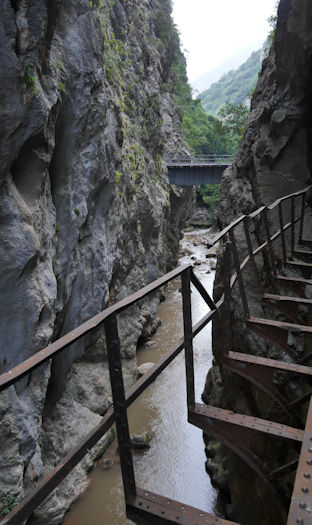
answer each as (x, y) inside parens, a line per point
(65, 466)
(286, 197)
(253, 214)
(108, 318)
(36, 360)
(265, 244)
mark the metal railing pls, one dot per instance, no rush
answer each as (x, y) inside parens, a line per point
(223, 160)
(260, 370)
(143, 504)
(121, 400)
(261, 214)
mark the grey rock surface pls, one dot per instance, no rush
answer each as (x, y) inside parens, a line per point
(87, 215)
(144, 368)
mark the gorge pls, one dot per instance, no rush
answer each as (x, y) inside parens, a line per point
(87, 216)
(176, 451)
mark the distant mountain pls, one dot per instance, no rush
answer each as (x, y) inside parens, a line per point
(204, 82)
(233, 86)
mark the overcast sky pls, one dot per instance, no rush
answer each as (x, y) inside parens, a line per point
(214, 30)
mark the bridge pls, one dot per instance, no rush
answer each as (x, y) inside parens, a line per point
(237, 431)
(197, 170)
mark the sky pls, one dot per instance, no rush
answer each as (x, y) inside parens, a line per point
(213, 30)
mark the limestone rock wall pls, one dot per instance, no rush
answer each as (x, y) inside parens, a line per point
(273, 160)
(87, 215)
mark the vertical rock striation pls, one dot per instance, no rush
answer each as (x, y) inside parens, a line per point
(87, 215)
(273, 160)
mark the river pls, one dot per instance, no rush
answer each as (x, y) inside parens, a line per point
(174, 466)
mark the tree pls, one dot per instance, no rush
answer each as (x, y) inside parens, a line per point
(273, 21)
(234, 118)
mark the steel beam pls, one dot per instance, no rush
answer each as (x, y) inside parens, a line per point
(286, 304)
(236, 430)
(120, 406)
(188, 338)
(300, 511)
(201, 413)
(263, 378)
(148, 508)
(273, 363)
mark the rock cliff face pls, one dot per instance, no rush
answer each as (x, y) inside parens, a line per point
(273, 160)
(87, 215)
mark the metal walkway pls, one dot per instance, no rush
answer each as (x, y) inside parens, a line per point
(236, 431)
(197, 170)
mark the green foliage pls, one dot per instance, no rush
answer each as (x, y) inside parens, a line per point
(118, 176)
(203, 133)
(77, 211)
(62, 86)
(95, 4)
(272, 21)
(8, 503)
(163, 26)
(234, 86)
(36, 91)
(210, 194)
(30, 80)
(234, 118)
(134, 160)
(57, 227)
(113, 55)
(116, 54)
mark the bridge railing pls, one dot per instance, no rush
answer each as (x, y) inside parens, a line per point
(200, 159)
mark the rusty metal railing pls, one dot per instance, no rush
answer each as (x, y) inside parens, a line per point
(121, 400)
(228, 233)
(233, 429)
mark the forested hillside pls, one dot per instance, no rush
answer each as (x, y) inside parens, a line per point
(203, 133)
(234, 86)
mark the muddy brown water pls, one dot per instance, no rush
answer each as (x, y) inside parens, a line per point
(174, 466)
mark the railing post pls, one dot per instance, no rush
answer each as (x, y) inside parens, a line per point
(281, 221)
(292, 246)
(251, 254)
(120, 408)
(301, 218)
(239, 274)
(188, 336)
(268, 238)
(227, 335)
